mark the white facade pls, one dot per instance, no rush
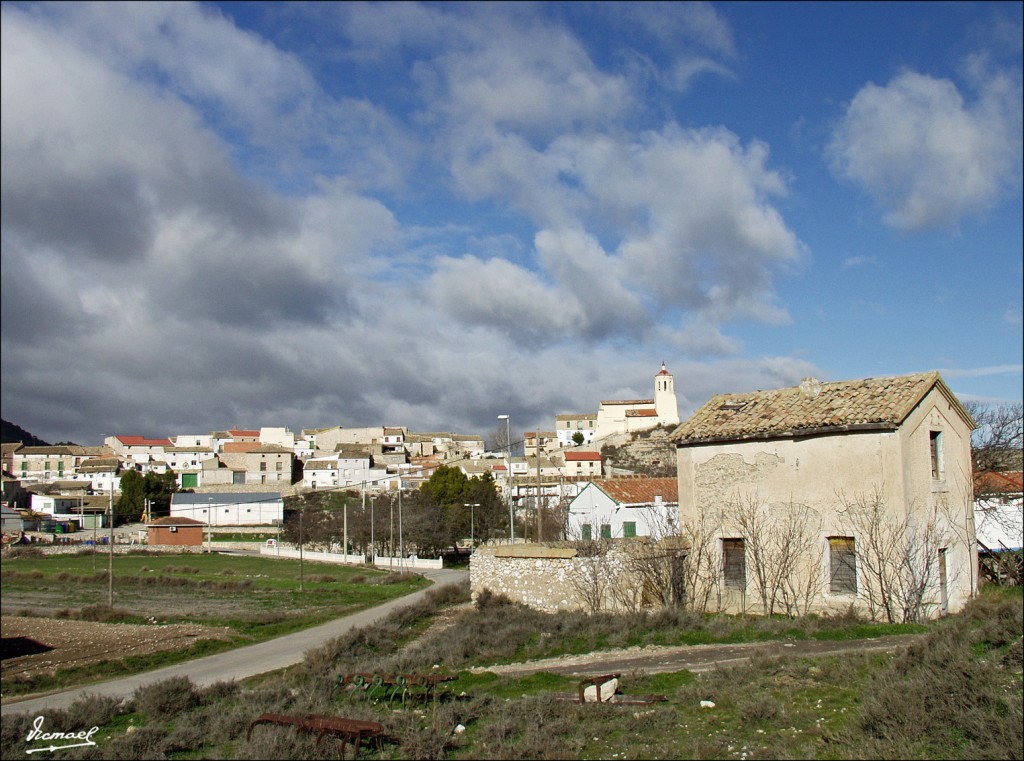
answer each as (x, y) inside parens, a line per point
(596, 514)
(631, 415)
(241, 509)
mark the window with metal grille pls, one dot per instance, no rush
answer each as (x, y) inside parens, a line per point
(734, 563)
(842, 556)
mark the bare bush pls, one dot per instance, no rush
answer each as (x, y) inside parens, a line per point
(167, 698)
(896, 554)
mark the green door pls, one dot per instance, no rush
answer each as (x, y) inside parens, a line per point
(189, 480)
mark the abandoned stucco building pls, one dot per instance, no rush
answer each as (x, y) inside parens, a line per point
(828, 495)
(805, 499)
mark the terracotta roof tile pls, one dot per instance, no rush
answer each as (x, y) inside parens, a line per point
(636, 491)
(872, 403)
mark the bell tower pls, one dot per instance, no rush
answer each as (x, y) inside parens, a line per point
(665, 397)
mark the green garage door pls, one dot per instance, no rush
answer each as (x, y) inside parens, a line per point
(189, 480)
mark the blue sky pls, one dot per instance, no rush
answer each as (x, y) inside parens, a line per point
(265, 214)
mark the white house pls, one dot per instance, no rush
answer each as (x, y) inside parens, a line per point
(568, 425)
(579, 464)
(230, 509)
(999, 510)
(626, 507)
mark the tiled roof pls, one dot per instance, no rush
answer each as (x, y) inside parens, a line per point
(169, 521)
(627, 401)
(585, 456)
(634, 491)
(142, 441)
(867, 404)
(641, 413)
(44, 451)
(240, 447)
(240, 432)
(1011, 482)
(577, 416)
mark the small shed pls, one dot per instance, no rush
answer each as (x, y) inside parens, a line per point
(174, 530)
(13, 523)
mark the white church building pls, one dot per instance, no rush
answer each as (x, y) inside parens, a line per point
(624, 415)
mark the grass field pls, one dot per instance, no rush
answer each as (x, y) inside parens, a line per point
(957, 694)
(256, 598)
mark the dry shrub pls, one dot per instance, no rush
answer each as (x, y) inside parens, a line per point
(228, 572)
(323, 578)
(140, 742)
(964, 703)
(167, 698)
(185, 737)
(392, 578)
(357, 579)
(102, 614)
(219, 691)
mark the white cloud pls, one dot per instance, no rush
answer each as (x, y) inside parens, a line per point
(927, 155)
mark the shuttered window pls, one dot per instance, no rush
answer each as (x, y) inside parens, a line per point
(842, 565)
(734, 563)
(585, 534)
(606, 531)
(629, 529)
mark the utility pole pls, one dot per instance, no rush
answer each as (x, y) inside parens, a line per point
(540, 522)
(110, 569)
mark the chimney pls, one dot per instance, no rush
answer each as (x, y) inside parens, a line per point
(810, 388)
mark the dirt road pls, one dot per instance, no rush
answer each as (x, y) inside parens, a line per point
(696, 658)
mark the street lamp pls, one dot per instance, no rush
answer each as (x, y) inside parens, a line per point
(508, 477)
(472, 529)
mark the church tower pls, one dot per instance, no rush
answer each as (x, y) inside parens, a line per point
(665, 397)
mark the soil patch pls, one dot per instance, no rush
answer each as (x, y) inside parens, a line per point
(78, 643)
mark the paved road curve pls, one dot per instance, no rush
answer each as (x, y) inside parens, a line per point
(240, 663)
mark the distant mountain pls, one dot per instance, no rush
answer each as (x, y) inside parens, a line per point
(10, 433)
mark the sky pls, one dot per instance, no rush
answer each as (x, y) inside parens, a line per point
(429, 215)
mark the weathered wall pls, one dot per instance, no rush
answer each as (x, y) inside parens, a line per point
(546, 582)
(828, 474)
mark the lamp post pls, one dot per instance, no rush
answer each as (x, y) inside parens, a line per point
(472, 529)
(391, 534)
(508, 477)
(209, 525)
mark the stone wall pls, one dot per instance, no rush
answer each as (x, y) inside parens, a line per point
(548, 579)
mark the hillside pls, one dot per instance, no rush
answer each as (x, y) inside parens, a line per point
(648, 452)
(11, 433)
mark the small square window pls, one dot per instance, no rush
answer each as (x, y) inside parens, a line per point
(629, 529)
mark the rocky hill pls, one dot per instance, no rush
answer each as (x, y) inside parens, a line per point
(648, 453)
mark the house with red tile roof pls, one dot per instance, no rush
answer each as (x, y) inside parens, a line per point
(624, 507)
(999, 510)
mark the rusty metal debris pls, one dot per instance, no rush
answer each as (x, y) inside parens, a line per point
(391, 687)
